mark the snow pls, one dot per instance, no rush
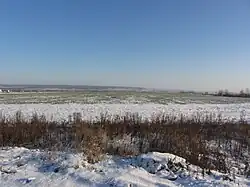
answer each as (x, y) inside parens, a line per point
(91, 111)
(24, 167)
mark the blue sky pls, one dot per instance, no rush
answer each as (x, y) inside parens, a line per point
(171, 44)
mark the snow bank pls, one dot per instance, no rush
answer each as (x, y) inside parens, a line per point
(22, 167)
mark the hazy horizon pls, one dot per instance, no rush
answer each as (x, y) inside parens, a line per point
(176, 45)
(84, 86)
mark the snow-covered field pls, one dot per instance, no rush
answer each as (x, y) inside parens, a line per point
(91, 111)
(24, 167)
(111, 97)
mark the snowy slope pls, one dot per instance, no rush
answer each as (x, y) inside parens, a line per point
(24, 167)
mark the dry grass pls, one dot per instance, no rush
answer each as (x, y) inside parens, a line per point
(202, 140)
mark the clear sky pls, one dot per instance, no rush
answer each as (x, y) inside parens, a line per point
(170, 44)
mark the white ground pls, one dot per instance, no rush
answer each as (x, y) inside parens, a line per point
(23, 167)
(91, 111)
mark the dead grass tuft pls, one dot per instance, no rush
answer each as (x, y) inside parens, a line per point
(206, 141)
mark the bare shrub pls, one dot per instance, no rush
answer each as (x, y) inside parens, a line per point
(204, 140)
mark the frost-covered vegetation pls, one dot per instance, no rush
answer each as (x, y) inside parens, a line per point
(208, 142)
(129, 145)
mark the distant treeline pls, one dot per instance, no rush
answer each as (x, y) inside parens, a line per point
(226, 93)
